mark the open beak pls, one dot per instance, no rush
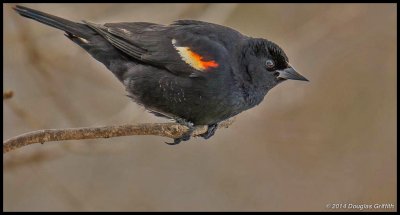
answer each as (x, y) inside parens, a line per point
(290, 73)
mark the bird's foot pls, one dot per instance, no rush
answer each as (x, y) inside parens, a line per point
(210, 131)
(187, 135)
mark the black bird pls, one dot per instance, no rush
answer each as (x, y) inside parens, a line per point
(194, 72)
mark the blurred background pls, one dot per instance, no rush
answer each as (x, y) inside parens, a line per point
(331, 140)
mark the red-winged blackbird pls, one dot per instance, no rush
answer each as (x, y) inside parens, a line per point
(194, 72)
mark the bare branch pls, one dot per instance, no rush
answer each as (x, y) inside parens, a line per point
(171, 130)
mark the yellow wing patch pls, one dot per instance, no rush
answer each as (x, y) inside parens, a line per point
(193, 59)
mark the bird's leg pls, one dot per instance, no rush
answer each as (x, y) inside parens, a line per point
(210, 131)
(186, 136)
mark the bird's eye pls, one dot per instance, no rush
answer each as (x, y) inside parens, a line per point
(270, 64)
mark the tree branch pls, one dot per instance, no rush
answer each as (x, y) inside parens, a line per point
(171, 130)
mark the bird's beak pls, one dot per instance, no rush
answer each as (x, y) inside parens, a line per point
(290, 73)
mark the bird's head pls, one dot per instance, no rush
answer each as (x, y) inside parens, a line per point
(267, 64)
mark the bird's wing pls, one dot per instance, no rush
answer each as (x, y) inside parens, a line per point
(182, 50)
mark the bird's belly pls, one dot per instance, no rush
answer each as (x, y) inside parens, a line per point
(198, 109)
(199, 103)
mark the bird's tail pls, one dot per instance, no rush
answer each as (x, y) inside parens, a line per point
(71, 28)
(85, 37)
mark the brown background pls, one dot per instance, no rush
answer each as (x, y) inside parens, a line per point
(332, 140)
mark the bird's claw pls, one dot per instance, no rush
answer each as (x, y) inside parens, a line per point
(210, 131)
(186, 136)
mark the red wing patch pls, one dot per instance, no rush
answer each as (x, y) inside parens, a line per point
(193, 59)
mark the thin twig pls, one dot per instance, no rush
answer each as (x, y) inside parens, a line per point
(171, 130)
